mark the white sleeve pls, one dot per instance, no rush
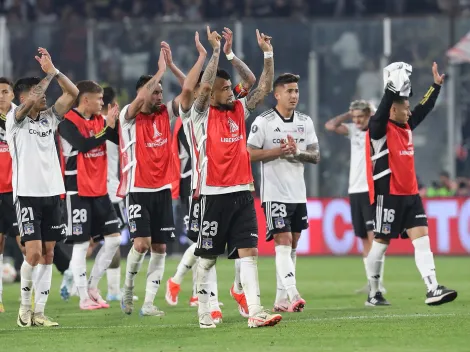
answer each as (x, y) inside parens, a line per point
(122, 117)
(11, 125)
(52, 116)
(184, 115)
(245, 108)
(257, 133)
(198, 117)
(311, 135)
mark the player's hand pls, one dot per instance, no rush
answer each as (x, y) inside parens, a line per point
(167, 53)
(200, 48)
(162, 61)
(113, 114)
(214, 38)
(228, 36)
(46, 64)
(43, 51)
(291, 143)
(438, 79)
(264, 41)
(286, 147)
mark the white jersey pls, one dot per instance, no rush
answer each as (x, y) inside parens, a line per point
(36, 168)
(282, 180)
(112, 152)
(357, 168)
(199, 124)
(189, 133)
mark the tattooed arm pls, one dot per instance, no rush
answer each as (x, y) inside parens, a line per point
(147, 90)
(265, 84)
(311, 155)
(36, 94)
(207, 81)
(68, 97)
(176, 71)
(248, 78)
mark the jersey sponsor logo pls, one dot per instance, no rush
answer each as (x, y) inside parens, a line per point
(419, 216)
(158, 141)
(407, 152)
(4, 149)
(39, 133)
(115, 221)
(233, 126)
(253, 235)
(232, 139)
(95, 153)
(282, 140)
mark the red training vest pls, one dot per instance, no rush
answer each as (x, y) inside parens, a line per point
(228, 159)
(92, 166)
(5, 169)
(175, 186)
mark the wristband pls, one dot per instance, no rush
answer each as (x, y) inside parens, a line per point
(230, 56)
(268, 54)
(297, 152)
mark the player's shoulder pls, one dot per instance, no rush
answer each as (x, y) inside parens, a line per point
(268, 115)
(302, 117)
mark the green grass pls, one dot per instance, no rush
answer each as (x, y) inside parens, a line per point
(335, 319)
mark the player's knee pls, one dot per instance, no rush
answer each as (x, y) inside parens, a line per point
(33, 256)
(247, 252)
(283, 239)
(207, 263)
(142, 245)
(382, 240)
(159, 248)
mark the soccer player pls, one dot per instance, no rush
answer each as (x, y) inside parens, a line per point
(90, 212)
(31, 127)
(8, 221)
(148, 170)
(228, 217)
(393, 184)
(362, 212)
(283, 139)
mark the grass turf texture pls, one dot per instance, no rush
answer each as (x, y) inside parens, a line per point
(335, 319)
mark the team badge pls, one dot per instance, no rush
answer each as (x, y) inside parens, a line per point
(77, 229)
(44, 123)
(194, 226)
(28, 228)
(207, 243)
(132, 226)
(300, 128)
(279, 223)
(386, 229)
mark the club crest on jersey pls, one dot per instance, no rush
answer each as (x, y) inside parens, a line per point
(132, 226)
(28, 228)
(207, 243)
(77, 229)
(195, 226)
(279, 223)
(44, 122)
(300, 128)
(386, 229)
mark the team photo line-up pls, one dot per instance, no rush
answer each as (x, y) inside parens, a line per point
(84, 167)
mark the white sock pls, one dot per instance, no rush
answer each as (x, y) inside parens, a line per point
(194, 269)
(250, 283)
(26, 283)
(103, 260)
(364, 259)
(1, 276)
(286, 270)
(281, 293)
(43, 287)
(186, 263)
(78, 267)
(134, 263)
(293, 255)
(113, 276)
(237, 284)
(35, 276)
(382, 268)
(425, 261)
(203, 284)
(374, 264)
(154, 276)
(214, 296)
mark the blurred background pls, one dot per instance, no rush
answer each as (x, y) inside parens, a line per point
(338, 47)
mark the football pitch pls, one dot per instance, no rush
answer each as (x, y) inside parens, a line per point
(335, 318)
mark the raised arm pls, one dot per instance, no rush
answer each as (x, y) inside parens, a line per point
(202, 101)
(147, 90)
(175, 70)
(336, 124)
(186, 96)
(265, 84)
(378, 122)
(426, 104)
(248, 78)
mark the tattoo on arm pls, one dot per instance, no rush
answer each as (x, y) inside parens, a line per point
(265, 85)
(34, 95)
(245, 73)
(311, 155)
(202, 102)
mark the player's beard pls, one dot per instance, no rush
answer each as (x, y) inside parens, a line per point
(228, 106)
(156, 108)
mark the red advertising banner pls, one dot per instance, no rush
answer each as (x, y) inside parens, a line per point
(331, 233)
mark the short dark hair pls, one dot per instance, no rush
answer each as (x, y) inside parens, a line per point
(143, 81)
(109, 94)
(444, 174)
(286, 78)
(223, 74)
(399, 100)
(4, 80)
(24, 85)
(88, 87)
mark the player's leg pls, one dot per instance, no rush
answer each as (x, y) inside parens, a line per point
(416, 224)
(243, 243)
(113, 274)
(78, 234)
(29, 225)
(155, 271)
(138, 206)
(173, 285)
(2, 246)
(360, 231)
(105, 217)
